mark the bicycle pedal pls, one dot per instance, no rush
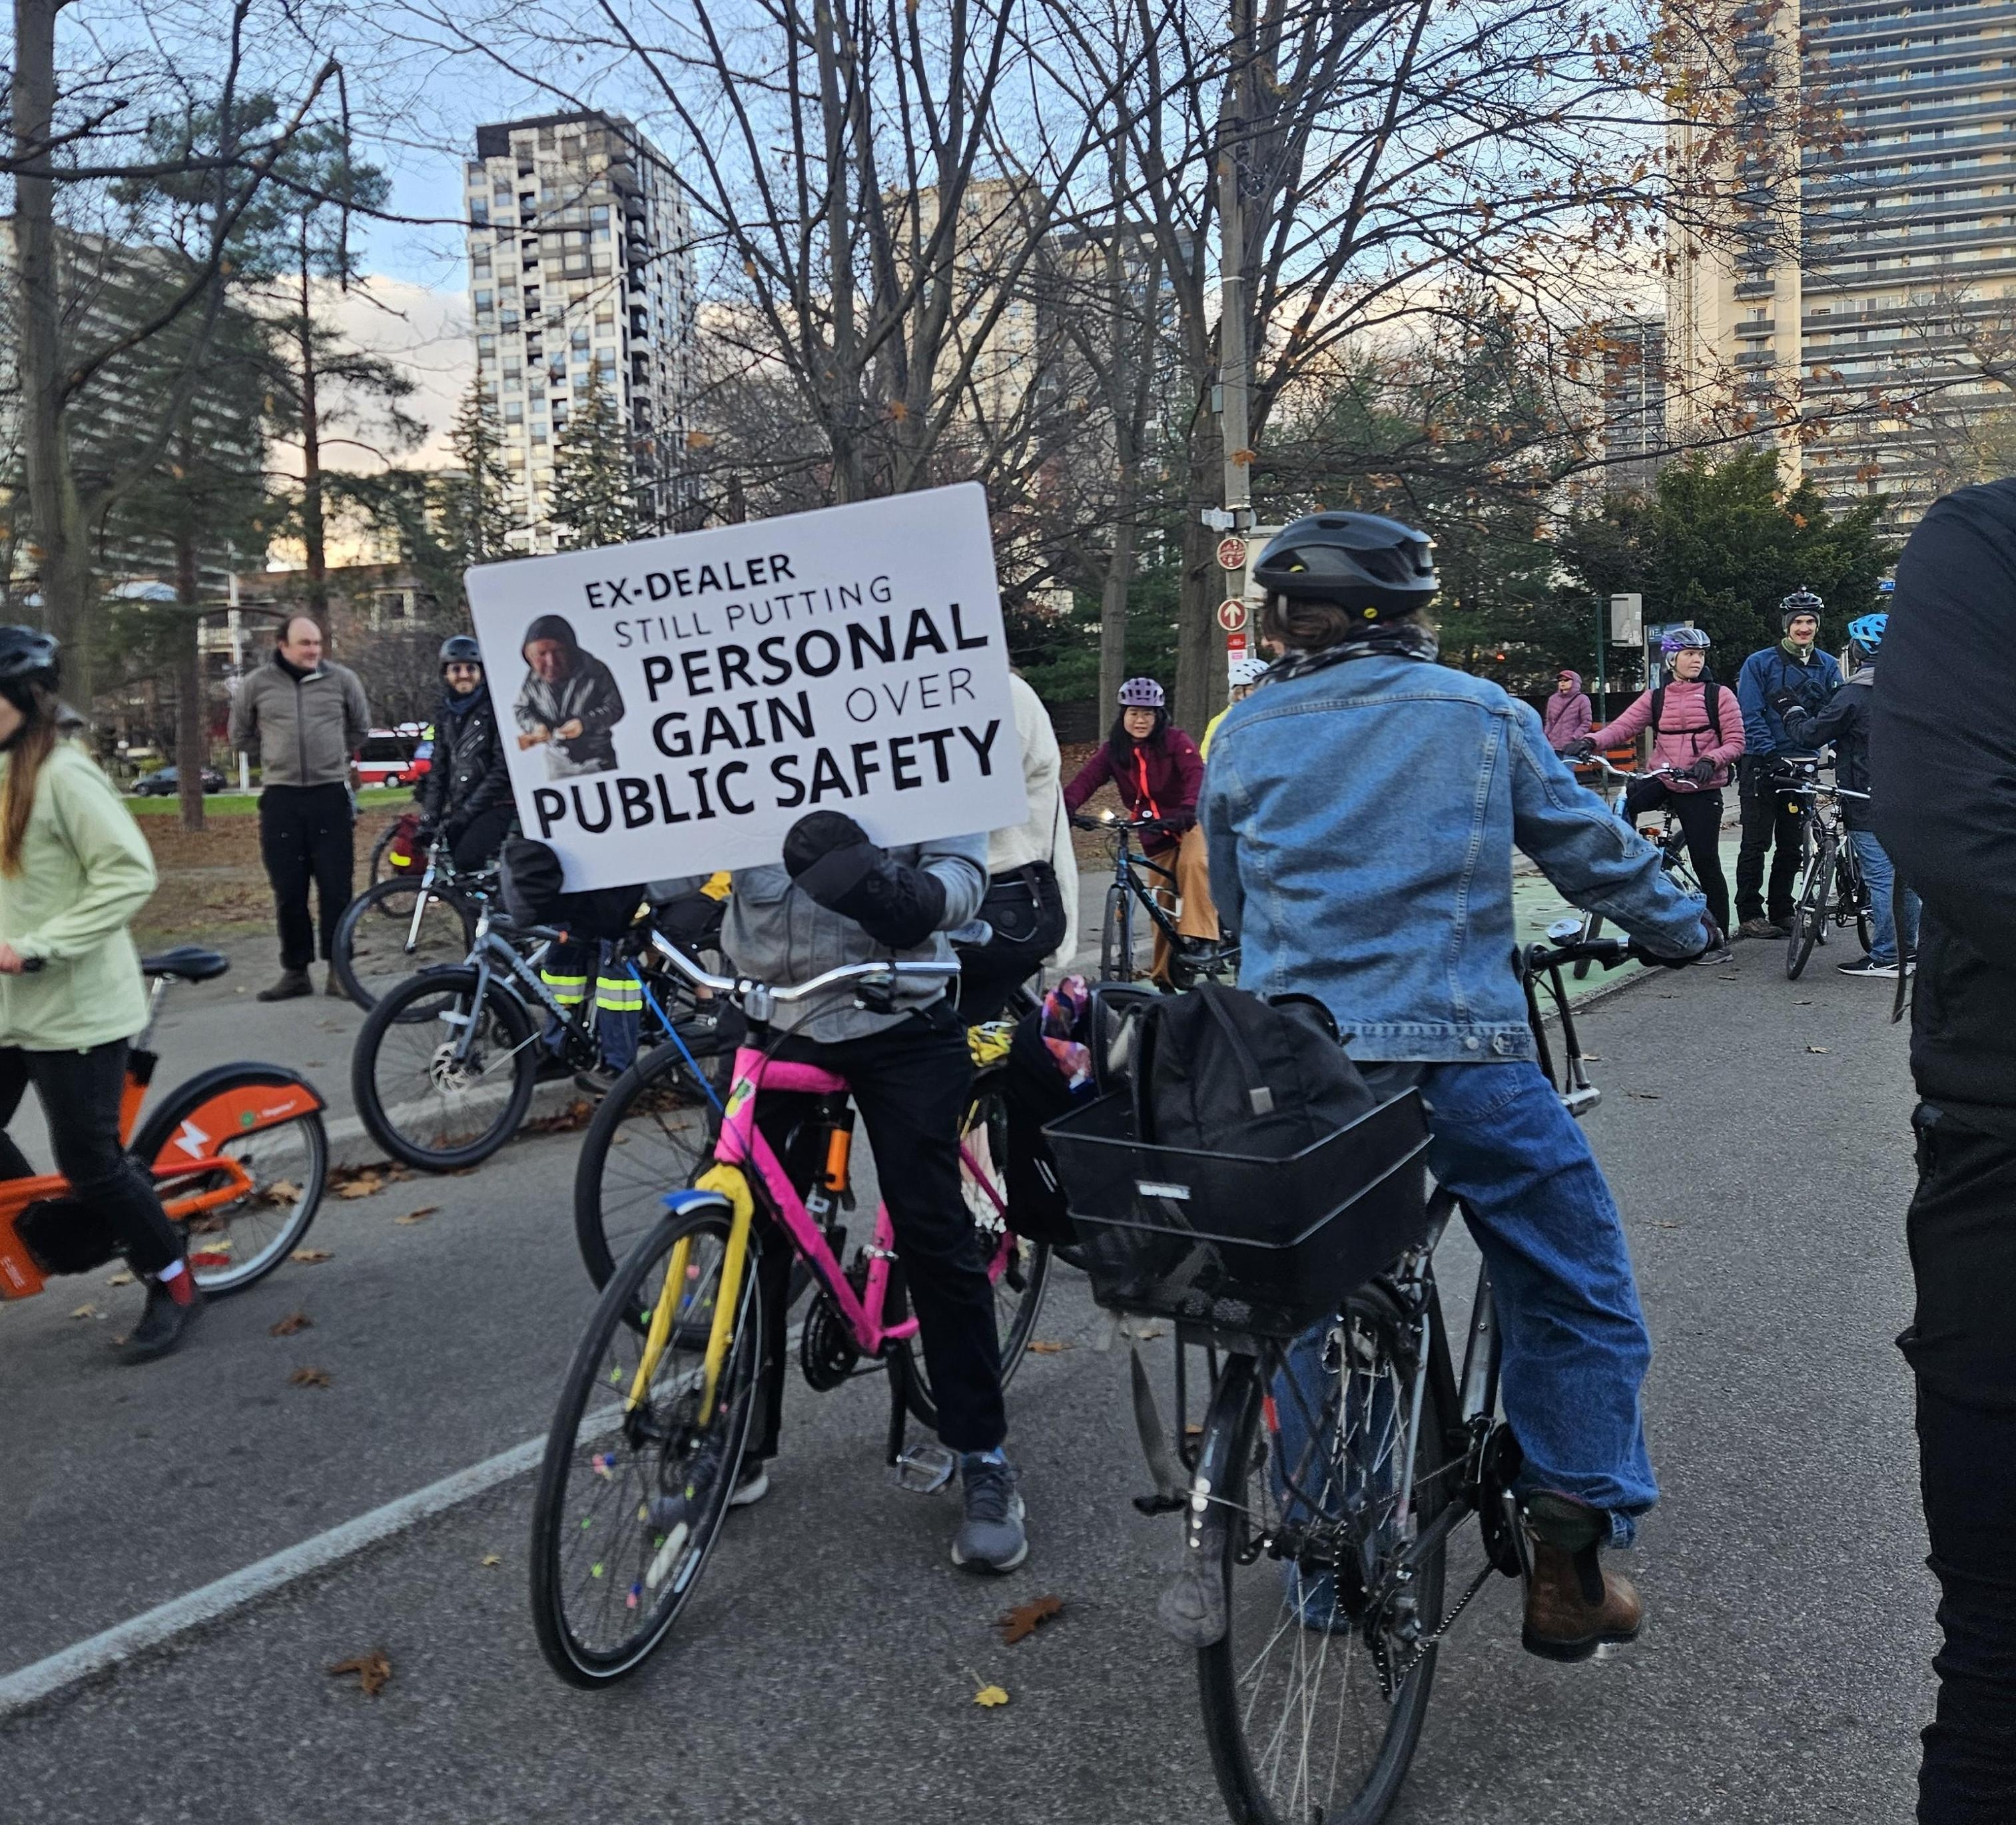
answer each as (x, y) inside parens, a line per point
(923, 1469)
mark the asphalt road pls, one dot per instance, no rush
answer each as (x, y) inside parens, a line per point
(1755, 1131)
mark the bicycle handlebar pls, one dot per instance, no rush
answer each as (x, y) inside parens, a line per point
(1108, 822)
(1625, 773)
(757, 998)
(1611, 953)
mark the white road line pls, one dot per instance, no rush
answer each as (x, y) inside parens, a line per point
(31, 1685)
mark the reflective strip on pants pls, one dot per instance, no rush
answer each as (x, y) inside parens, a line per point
(568, 991)
(619, 995)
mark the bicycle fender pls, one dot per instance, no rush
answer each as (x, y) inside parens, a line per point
(220, 1103)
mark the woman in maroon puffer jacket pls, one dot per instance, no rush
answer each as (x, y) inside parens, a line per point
(1157, 771)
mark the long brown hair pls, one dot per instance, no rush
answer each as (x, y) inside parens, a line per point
(26, 753)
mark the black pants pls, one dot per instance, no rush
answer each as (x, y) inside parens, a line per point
(910, 1084)
(1699, 815)
(1962, 1348)
(1769, 817)
(481, 837)
(80, 1093)
(1027, 910)
(305, 834)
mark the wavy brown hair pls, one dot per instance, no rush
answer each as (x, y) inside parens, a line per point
(26, 753)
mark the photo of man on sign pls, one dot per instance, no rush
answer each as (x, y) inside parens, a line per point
(568, 702)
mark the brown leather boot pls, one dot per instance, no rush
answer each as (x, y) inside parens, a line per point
(292, 985)
(1573, 1606)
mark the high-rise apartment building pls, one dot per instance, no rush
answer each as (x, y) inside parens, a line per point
(1873, 248)
(580, 269)
(1634, 400)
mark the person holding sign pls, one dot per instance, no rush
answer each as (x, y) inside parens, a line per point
(839, 899)
(1157, 771)
(568, 702)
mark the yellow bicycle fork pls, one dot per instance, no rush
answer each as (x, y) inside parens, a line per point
(729, 1182)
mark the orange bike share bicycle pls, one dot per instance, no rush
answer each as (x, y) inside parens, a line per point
(237, 1155)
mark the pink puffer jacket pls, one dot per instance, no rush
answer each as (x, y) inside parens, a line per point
(1685, 733)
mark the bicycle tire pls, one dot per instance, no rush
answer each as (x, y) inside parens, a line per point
(1116, 937)
(378, 871)
(1016, 1306)
(1592, 924)
(1854, 893)
(398, 1019)
(581, 1491)
(1809, 909)
(290, 1157)
(1234, 1675)
(376, 914)
(636, 1149)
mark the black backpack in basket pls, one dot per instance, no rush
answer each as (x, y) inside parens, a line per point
(1219, 1070)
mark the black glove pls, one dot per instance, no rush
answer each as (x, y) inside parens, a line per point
(829, 856)
(1784, 700)
(1704, 771)
(452, 829)
(1584, 748)
(1648, 957)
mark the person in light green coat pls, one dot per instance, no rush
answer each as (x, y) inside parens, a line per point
(74, 869)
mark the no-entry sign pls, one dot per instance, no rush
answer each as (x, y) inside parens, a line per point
(1232, 554)
(1232, 616)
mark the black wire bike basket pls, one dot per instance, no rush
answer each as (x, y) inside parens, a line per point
(1258, 1246)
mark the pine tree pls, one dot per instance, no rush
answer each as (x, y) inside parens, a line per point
(476, 517)
(595, 489)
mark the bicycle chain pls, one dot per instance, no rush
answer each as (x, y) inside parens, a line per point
(1448, 1622)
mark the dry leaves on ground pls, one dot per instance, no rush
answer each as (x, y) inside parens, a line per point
(310, 1256)
(1644, 1095)
(577, 1115)
(87, 1310)
(286, 1327)
(987, 1696)
(281, 1191)
(1046, 1347)
(123, 1278)
(492, 1559)
(372, 1670)
(309, 1378)
(1822, 1048)
(419, 1216)
(365, 1181)
(1025, 1619)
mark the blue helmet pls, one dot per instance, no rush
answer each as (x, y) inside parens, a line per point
(1866, 630)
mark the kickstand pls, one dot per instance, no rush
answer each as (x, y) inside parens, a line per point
(899, 1408)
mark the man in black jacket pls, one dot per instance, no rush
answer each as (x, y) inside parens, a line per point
(1943, 763)
(466, 793)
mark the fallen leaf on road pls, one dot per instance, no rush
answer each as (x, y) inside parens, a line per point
(1665, 1226)
(1816, 1049)
(281, 1191)
(419, 1216)
(87, 1310)
(1644, 1095)
(1593, 1057)
(361, 1187)
(492, 1559)
(372, 1670)
(1045, 1347)
(286, 1326)
(311, 1255)
(1802, 1004)
(123, 1278)
(989, 1696)
(309, 1378)
(1023, 1619)
(577, 1115)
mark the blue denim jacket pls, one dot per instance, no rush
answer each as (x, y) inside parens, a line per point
(1361, 821)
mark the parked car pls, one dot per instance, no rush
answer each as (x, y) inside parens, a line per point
(168, 781)
(395, 757)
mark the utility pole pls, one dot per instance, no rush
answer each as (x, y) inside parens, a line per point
(1233, 304)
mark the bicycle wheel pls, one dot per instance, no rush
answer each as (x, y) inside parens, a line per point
(378, 943)
(420, 1101)
(1314, 1696)
(1116, 937)
(1021, 1268)
(1852, 895)
(630, 1501)
(652, 1134)
(1809, 910)
(233, 1243)
(380, 869)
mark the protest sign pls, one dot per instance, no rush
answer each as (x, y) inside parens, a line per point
(674, 706)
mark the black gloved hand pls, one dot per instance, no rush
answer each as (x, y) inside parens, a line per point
(452, 830)
(1704, 771)
(1711, 941)
(1784, 700)
(1584, 747)
(829, 856)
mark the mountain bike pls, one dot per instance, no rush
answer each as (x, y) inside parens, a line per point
(1138, 879)
(1342, 1451)
(398, 927)
(655, 1411)
(1830, 889)
(1671, 841)
(237, 1155)
(445, 1066)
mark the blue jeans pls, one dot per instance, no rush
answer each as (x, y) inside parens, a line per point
(1881, 877)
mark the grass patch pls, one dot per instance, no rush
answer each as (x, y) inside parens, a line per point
(240, 804)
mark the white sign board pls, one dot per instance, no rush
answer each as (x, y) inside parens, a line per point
(674, 706)
(1627, 620)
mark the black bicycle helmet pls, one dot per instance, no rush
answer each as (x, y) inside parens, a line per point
(460, 650)
(1373, 567)
(1801, 601)
(27, 657)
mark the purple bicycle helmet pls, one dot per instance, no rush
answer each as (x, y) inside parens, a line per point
(1683, 640)
(1141, 693)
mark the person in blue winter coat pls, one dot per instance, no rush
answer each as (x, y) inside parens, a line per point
(1796, 668)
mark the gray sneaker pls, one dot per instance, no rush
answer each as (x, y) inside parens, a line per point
(991, 1537)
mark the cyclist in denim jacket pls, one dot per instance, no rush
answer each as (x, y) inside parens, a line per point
(1388, 895)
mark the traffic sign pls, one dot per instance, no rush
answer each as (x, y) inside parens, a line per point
(1234, 645)
(1232, 615)
(1232, 554)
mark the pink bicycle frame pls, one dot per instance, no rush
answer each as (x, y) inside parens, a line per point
(742, 1144)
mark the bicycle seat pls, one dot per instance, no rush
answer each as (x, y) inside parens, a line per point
(187, 962)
